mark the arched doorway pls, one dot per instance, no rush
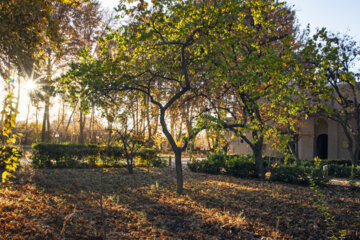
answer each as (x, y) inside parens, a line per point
(322, 146)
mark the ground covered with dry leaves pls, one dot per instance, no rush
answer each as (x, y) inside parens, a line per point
(65, 204)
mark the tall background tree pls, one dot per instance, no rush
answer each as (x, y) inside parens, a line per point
(254, 92)
(335, 60)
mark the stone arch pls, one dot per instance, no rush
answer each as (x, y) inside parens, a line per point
(322, 146)
(321, 141)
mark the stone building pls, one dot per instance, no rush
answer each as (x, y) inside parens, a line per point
(318, 136)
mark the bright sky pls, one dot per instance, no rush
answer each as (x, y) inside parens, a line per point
(109, 3)
(336, 15)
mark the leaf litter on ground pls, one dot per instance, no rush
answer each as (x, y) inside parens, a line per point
(65, 204)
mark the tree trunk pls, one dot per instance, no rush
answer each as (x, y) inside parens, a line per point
(179, 173)
(129, 162)
(177, 152)
(92, 127)
(148, 121)
(82, 126)
(259, 161)
(69, 120)
(37, 124)
(45, 131)
(26, 125)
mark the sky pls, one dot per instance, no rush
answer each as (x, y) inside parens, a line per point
(336, 15)
(341, 16)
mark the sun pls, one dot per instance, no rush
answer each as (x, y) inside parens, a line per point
(30, 86)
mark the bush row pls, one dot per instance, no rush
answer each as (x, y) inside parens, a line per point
(148, 158)
(73, 155)
(239, 166)
(244, 166)
(84, 156)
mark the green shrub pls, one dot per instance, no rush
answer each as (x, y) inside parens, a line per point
(344, 171)
(147, 154)
(148, 158)
(214, 163)
(344, 162)
(293, 174)
(241, 166)
(317, 175)
(297, 174)
(159, 163)
(339, 171)
(73, 155)
(195, 165)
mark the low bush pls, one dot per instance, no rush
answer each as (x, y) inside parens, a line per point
(74, 155)
(241, 166)
(343, 162)
(343, 171)
(297, 174)
(292, 173)
(148, 158)
(147, 154)
(159, 163)
(214, 163)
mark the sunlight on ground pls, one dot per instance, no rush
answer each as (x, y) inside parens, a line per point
(65, 203)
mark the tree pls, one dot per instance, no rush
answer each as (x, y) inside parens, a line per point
(130, 140)
(79, 27)
(336, 93)
(255, 72)
(158, 54)
(24, 27)
(174, 50)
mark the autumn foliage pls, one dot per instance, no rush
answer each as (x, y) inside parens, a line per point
(64, 204)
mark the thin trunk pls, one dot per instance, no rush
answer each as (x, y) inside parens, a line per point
(134, 119)
(156, 119)
(137, 116)
(177, 152)
(48, 121)
(61, 117)
(129, 162)
(179, 173)
(37, 123)
(69, 120)
(45, 131)
(26, 125)
(91, 127)
(82, 126)
(259, 161)
(148, 120)
(18, 95)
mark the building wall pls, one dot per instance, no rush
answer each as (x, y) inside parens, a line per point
(306, 140)
(309, 131)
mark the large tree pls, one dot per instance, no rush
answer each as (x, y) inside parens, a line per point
(79, 27)
(255, 72)
(160, 53)
(173, 51)
(335, 62)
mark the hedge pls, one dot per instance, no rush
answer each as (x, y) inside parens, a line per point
(244, 166)
(148, 158)
(50, 155)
